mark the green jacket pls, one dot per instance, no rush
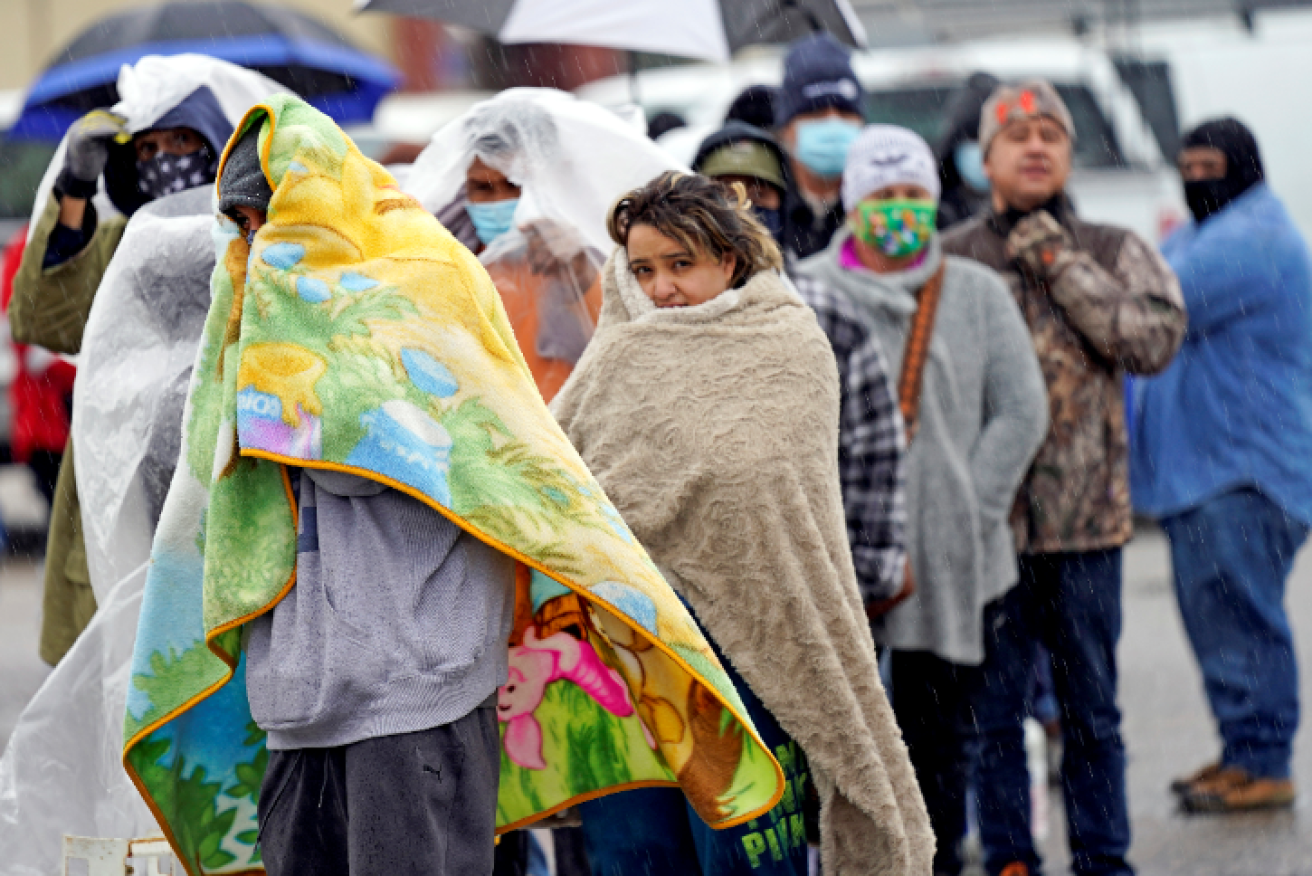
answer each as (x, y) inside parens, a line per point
(49, 308)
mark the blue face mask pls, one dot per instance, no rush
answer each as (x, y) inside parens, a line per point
(822, 145)
(493, 219)
(970, 166)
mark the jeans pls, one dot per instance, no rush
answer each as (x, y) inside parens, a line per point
(1231, 557)
(1071, 604)
(932, 700)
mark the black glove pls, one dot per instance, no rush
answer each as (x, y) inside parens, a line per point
(88, 152)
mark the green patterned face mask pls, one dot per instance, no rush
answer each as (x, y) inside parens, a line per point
(896, 227)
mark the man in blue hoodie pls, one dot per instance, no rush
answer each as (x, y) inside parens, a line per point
(1220, 456)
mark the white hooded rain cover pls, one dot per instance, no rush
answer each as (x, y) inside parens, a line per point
(572, 160)
(62, 770)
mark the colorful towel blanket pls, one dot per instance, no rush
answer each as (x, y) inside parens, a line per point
(356, 334)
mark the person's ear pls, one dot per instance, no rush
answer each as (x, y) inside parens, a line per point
(728, 265)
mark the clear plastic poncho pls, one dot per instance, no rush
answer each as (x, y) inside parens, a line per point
(572, 160)
(62, 771)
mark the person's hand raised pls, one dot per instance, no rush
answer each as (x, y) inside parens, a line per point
(88, 151)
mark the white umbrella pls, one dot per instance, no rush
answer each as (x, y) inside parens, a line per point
(708, 30)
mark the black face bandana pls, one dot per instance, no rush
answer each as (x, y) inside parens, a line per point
(1243, 166)
(1207, 197)
(165, 174)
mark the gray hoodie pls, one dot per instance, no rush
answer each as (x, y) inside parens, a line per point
(983, 415)
(397, 622)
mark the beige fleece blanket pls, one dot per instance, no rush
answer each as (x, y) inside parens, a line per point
(714, 430)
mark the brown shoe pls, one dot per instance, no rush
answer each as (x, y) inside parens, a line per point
(1243, 794)
(1185, 784)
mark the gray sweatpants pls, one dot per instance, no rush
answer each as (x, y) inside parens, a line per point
(422, 803)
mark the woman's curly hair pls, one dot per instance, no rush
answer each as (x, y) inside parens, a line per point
(703, 216)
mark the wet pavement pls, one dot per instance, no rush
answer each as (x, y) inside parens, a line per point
(1167, 727)
(1169, 731)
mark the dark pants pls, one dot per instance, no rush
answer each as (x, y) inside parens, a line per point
(413, 803)
(933, 701)
(1231, 557)
(44, 465)
(1071, 604)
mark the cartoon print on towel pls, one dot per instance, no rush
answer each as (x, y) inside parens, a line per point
(356, 334)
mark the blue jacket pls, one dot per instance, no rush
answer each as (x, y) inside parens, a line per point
(1235, 407)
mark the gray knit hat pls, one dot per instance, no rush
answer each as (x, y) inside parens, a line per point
(1029, 100)
(242, 183)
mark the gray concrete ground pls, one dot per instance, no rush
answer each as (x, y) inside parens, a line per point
(1167, 727)
(21, 671)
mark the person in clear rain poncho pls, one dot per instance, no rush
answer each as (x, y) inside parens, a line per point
(138, 332)
(524, 180)
(163, 137)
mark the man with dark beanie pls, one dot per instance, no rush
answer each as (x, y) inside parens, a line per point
(1220, 453)
(817, 116)
(1099, 302)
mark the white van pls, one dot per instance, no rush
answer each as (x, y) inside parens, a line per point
(1120, 177)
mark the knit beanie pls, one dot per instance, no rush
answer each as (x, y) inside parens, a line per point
(817, 75)
(755, 106)
(243, 183)
(1029, 100)
(885, 155)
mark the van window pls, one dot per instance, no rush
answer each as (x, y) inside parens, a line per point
(22, 164)
(921, 108)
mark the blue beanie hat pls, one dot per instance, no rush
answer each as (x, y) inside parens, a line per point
(817, 75)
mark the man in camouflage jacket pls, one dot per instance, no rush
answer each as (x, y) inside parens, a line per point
(1099, 302)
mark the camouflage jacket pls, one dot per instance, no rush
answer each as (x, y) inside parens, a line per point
(1099, 302)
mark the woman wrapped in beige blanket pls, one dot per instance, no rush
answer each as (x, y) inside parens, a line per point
(707, 406)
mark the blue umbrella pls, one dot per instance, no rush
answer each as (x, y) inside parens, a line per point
(290, 48)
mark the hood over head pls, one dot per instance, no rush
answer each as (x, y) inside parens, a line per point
(1243, 165)
(571, 158)
(243, 182)
(199, 111)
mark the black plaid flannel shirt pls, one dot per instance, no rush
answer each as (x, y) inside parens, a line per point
(871, 446)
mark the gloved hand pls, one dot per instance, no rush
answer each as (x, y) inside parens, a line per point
(88, 151)
(1039, 242)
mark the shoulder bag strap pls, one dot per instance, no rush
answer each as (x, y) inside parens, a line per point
(917, 352)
